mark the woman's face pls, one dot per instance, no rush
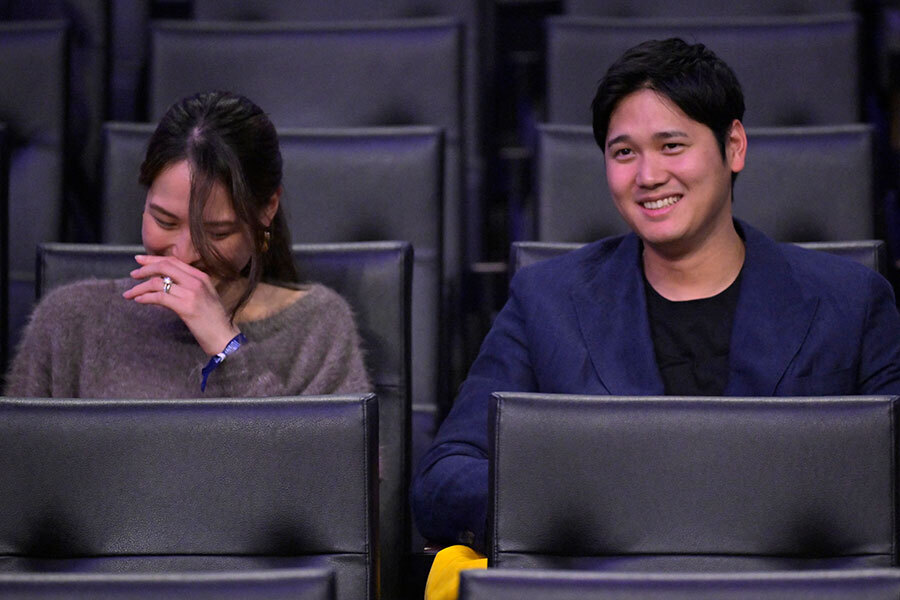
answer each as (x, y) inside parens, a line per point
(166, 226)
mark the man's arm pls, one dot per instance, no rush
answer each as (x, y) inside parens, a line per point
(449, 491)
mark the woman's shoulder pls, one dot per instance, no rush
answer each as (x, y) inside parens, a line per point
(85, 296)
(307, 306)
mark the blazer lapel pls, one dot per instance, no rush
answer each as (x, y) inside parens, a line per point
(612, 315)
(771, 320)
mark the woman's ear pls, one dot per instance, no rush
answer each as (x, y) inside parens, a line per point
(271, 208)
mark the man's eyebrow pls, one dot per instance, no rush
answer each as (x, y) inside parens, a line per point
(619, 138)
(665, 135)
(662, 135)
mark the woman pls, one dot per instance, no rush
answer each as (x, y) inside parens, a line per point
(213, 307)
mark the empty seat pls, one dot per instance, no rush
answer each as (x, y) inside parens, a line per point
(778, 60)
(34, 110)
(799, 184)
(871, 253)
(85, 90)
(375, 279)
(837, 584)
(272, 584)
(191, 485)
(691, 484)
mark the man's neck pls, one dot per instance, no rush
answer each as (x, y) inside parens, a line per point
(698, 273)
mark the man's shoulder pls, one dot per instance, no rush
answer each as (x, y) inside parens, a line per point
(813, 271)
(570, 267)
(821, 270)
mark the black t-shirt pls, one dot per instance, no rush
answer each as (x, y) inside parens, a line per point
(691, 340)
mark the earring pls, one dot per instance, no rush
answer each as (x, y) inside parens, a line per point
(267, 236)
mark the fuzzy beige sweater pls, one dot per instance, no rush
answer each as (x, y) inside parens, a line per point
(85, 341)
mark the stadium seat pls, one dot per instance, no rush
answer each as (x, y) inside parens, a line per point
(177, 486)
(509, 584)
(691, 484)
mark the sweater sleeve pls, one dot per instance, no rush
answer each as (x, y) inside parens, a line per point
(49, 357)
(313, 350)
(29, 374)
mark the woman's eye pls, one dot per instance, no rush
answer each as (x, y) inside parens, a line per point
(219, 235)
(164, 224)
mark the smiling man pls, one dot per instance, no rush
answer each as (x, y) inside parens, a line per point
(691, 302)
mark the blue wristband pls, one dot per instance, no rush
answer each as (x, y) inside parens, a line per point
(216, 360)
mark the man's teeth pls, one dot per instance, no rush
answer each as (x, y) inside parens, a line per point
(661, 203)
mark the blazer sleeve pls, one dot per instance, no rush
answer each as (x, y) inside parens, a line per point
(449, 490)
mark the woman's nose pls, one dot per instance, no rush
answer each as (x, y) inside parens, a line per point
(184, 249)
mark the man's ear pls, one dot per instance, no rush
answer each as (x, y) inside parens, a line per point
(736, 146)
(271, 208)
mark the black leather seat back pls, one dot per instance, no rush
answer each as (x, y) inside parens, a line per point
(778, 61)
(108, 480)
(667, 483)
(283, 584)
(871, 253)
(121, 196)
(837, 584)
(4, 250)
(34, 110)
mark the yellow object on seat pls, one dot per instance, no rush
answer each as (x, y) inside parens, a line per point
(443, 579)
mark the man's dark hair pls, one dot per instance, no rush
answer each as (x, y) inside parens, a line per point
(691, 76)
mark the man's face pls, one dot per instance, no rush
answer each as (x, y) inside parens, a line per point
(666, 173)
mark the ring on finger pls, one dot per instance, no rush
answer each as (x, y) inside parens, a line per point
(167, 284)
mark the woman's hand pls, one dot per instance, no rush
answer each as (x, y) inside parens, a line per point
(192, 296)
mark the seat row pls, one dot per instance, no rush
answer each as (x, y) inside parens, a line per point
(395, 192)
(244, 492)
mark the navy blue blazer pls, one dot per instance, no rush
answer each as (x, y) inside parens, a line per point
(806, 324)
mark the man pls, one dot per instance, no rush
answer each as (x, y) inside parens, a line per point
(691, 302)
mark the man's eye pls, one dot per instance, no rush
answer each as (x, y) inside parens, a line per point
(622, 153)
(673, 146)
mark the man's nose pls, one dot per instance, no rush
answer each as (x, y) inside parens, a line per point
(650, 172)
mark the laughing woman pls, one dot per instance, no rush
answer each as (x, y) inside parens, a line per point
(213, 308)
